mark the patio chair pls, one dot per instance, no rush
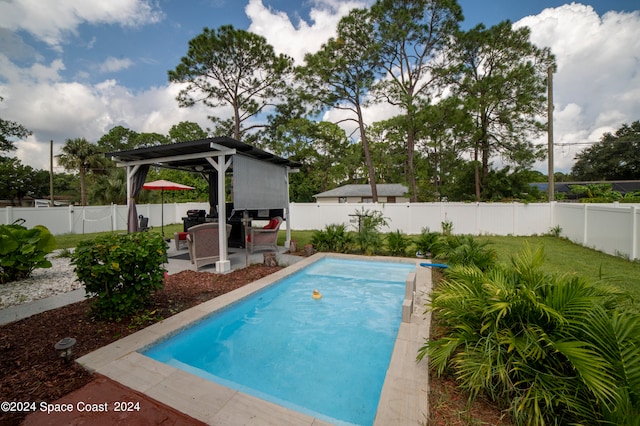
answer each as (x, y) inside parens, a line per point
(180, 239)
(202, 241)
(265, 238)
(144, 223)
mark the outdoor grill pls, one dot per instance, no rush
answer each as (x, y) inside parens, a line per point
(194, 217)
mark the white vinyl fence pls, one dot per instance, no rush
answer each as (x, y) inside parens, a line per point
(81, 220)
(411, 218)
(611, 228)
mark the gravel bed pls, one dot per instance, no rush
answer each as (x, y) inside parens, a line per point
(43, 282)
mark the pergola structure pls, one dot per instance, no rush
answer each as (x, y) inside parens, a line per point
(260, 178)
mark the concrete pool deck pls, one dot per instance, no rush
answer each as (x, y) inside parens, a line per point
(403, 400)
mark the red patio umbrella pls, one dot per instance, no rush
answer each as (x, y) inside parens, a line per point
(163, 185)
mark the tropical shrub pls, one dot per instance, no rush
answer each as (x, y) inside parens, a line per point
(426, 241)
(368, 238)
(447, 227)
(334, 238)
(554, 349)
(398, 243)
(465, 250)
(22, 250)
(122, 270)
(596, 193)
(555, 231)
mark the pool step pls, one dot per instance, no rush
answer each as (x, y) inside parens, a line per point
(409, 297)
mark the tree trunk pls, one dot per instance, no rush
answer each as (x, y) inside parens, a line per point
(436, 172)
(485, 165)
(236, 123)
(476, 172)
(367, 156)
(411, 178)
(485, 147)
(83, 187)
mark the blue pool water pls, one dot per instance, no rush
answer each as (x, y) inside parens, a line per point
(327, 358)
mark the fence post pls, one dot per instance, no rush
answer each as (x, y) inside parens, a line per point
(634, 232)
(114, 223)
(71, 221)
(9, 215)
(586, 223)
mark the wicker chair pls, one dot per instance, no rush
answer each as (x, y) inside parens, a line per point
(264, 238)
(203, 245)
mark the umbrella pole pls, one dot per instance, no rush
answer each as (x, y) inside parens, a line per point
(162, 211)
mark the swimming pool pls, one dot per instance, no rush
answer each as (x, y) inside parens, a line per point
(326, 358)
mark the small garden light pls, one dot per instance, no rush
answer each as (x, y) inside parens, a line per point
(65, 347)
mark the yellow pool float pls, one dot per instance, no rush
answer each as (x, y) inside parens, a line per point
(316, 294)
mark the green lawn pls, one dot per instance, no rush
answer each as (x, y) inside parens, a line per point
(562, 256)
(67, 241)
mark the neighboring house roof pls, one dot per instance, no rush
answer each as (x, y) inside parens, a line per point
(384, 190)
(622, 186)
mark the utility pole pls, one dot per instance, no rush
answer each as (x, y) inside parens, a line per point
(51, 204)
(550, 132)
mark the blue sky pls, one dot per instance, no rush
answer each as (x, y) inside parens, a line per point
(77, 68)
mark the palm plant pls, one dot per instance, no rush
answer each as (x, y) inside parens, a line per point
(334, 238)
(426, 240)
(398, 243)
(465, 250)
(549, 347)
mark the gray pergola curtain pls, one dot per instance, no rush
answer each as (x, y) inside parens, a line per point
(258, 184)
(137, 181)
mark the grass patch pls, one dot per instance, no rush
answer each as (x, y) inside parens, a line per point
(67, 241)
(565, 257)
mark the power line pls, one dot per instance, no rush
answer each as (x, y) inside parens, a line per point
(591, 143)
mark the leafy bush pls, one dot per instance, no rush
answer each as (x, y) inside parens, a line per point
(334, 238)
(22, 250)
(554, 349)
(426, 241)
(368, 238)
(555, 231)
(447, 227)
(398, 243)
(465, 250)
(596, 193)
(122, 270)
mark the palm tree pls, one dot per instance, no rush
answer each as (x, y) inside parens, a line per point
(81, 155)
(110, 188)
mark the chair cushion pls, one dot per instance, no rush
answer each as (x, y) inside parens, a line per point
(182, 235)
(273, 224)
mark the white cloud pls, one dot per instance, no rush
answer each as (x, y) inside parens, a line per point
(51, 21)
(56, 110)
(296, 39)
(597, 84)
(112, 64)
